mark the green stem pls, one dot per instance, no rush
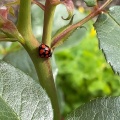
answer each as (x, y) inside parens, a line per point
(42, 66)
(48, 22)
(47, 80)
(24, 18)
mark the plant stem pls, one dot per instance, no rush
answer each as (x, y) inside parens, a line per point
(48, 82)
(42, 66)
(48, 22)
(24, 18)
(80, 23)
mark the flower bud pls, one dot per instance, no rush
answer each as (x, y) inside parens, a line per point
(4, 11)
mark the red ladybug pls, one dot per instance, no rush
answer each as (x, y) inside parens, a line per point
(44, 51)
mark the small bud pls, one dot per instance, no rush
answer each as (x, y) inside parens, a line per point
(4, 11)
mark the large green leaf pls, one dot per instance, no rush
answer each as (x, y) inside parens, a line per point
(37, 24)
(23, 95)
(99, 109)
(108, 32)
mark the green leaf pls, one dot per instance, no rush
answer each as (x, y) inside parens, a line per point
(90, 3)
(99, 109)
(23, 95)
(108, 32)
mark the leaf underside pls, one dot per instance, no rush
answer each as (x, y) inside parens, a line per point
(25, 98)
(99, 109)
(108, 32)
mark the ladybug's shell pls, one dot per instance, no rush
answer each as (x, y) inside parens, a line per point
(44, 51)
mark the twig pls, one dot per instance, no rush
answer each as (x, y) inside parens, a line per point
(80, 23)
(39, 4)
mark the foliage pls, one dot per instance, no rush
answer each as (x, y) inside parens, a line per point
(20, 93)
(111, 22)
(101, 109)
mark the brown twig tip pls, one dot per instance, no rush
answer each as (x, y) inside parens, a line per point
(39, 4)
(101, 8)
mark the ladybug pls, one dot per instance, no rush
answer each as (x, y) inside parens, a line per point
(44, 51)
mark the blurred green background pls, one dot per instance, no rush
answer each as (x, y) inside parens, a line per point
(84, 74)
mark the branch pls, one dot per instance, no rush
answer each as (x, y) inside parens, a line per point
(80, 23)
